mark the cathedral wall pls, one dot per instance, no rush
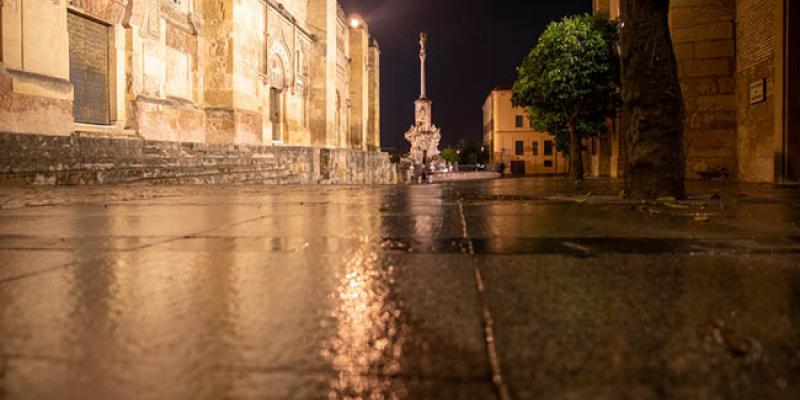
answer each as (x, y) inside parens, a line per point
(704, 42)
(248, 43)
(359, 88)
(250, 72)
(249, 47)
(757, 50)
(322, 20)
(164, 71)
(724, 47)
(341, 81)
(374, 103)
(288, 48)
(35, 94)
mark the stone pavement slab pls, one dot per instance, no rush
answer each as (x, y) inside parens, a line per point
(259, 292)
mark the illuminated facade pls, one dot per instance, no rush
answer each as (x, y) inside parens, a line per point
(244, 72)
(511, 139)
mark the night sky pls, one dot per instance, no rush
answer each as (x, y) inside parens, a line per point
(473, 46)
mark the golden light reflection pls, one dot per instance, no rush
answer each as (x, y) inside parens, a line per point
(368, 343)
(428, 215)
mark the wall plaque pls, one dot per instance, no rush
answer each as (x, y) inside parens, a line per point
(758, 91)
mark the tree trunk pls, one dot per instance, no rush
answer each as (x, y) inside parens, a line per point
(575, 154)
(653, 107)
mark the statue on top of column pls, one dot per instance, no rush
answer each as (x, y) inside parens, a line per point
(424, 136)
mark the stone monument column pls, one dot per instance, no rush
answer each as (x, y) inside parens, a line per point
(423, 55)
(423, 136)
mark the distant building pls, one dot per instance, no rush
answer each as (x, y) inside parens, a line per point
(511, 139)
(739, 68)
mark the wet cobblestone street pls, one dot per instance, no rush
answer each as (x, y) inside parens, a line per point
(516, 288)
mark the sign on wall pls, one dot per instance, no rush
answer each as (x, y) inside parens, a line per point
(758, 91)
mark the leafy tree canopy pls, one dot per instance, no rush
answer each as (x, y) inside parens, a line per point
(569, 83)
(450, 155)
(556, 124)
(471, 152)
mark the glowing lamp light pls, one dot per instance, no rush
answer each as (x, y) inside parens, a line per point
(356, 21)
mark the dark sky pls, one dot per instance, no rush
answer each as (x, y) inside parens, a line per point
(473, 46)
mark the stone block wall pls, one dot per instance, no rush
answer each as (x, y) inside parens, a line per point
(35, 93)
(723, 47)
(341, 166)
(169, 119)
(755, 62)
(31, 103)
(86, 159)
(703, 35)
(359, 88)
(374, 129)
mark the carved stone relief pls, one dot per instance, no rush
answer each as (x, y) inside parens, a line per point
(153, 25)
(109, 11)
(279, 58)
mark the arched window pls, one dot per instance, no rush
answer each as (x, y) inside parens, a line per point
(277, 76)
(277, 79)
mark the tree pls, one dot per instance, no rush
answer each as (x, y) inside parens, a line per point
(469, 151)
(569, 82)
(450, 155)
(653, 110)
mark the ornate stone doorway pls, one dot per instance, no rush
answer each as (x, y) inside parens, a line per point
(792, 79)
(89, 69)
(277, 82)
(275, 104)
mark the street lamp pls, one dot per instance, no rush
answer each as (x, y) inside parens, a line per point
(356, 21)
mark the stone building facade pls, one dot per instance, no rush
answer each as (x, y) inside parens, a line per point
(737, 63)
(296, 73)
(511, 139)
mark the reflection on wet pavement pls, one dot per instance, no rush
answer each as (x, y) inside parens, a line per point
(367, 323)
(370, 293)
